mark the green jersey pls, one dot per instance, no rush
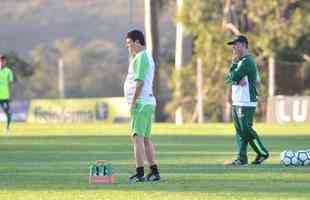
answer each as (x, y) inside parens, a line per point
(6, 78)
(244, 69)
(142, 67)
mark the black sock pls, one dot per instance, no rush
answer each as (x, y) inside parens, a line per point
(140, 171)
(154, 169)
(9, 118)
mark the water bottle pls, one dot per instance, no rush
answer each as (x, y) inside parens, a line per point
(92, 170)
(101, 170)
(109, 170)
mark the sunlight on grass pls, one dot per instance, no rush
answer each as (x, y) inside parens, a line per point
(158, 128)
(50, 163)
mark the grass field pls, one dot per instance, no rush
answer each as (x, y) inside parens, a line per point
(51, 162)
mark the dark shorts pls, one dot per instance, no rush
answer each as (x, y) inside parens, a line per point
(5, 105)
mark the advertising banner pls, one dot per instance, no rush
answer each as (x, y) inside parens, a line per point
(285, 109)
(108, 110)
(19, 111)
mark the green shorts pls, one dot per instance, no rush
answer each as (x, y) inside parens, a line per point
(141, 118)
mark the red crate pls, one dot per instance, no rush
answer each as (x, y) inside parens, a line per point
(102, 179)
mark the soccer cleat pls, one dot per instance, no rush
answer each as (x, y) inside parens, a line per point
(236, 162)
(259, 159)
(153, 177)
(136, 179)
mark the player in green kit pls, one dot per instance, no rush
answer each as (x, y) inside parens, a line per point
(6, 79)
(138, 90)
(243, 78)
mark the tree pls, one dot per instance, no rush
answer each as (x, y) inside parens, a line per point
(203, 20)
(274, 33)
(152, 42)
(212, 23)
(42, 83)
(183, 57)
(20, 67)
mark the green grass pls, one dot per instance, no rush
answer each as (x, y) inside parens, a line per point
(51, 162)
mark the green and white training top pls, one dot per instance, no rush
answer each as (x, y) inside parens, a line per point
(6, 78)
(142, 67)
(244, 69)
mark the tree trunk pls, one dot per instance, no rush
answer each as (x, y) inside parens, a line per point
(271, 76)
(244, 17)
(226, 18)
(61, 79)
(152, 44)
(227, 106)
(271, 84)
(199, 85)
(151, 29)
(229, 23)
(183, 56)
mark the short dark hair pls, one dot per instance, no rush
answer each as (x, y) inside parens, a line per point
(136, 35)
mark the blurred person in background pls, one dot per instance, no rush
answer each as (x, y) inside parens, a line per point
(6, 80)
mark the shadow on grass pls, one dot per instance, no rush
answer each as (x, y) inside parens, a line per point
(268, 178)
(228, 182)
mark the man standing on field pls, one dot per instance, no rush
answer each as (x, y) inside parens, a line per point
(138, 89)
(243, 77)
(6, 79)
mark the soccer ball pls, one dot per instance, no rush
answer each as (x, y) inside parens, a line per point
(295, 161)
(307, 162)
(288, 158)
(302, 157)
